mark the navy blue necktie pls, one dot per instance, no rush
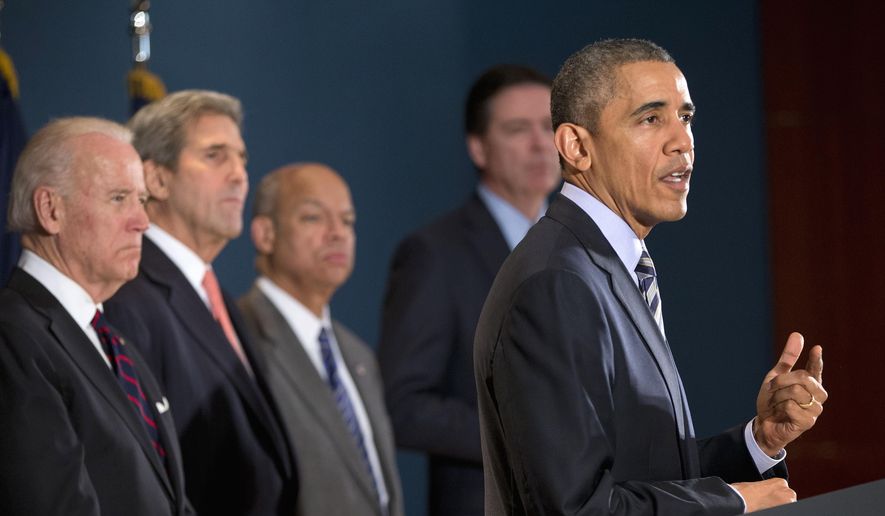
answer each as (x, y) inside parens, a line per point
(127, 377)
(648, 285)
(343, 401)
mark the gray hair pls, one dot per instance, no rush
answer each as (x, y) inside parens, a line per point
(159, 128)
(46, 161)
(588, 79)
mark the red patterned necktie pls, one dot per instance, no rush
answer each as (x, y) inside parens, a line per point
(127, 377)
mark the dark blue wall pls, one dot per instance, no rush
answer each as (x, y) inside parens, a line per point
(375, 90)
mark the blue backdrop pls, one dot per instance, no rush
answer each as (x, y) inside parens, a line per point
(375, 90)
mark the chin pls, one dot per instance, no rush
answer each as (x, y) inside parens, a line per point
(677, 211)
(230, 233)
(129, 274)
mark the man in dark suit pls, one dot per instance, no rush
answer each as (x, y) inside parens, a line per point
(440, 275)
(84, 428)
(324, 378)
(236, 457)
(581, 407)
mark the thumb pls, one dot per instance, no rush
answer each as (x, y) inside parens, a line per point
(788, 358)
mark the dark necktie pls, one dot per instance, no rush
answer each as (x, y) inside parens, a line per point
(127, 377)
(343, 401)
(648, 285)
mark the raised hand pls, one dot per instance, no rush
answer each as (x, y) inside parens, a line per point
(789, 402)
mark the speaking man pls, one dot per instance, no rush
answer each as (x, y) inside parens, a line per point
(581, 407)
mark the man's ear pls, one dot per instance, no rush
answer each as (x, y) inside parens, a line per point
(263, 234)
(157, 179)
(477, 151)
(573, 143)
(49, 209)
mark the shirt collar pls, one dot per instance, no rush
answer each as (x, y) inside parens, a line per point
(512, 223)
(623, 240)
(304, 323)
(191, 265)
(72, 297)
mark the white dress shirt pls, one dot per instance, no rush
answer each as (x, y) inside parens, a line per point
(76, 301)
(188, 262)
(307, 327)
(512, 223)
(629, 247)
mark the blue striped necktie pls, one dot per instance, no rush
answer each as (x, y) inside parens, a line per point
(648, 285)
(127, 377)
(343, 401)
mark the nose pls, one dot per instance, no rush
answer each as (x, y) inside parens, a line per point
(238, 173)
(681, 140)
(337, 228)
(140, 221)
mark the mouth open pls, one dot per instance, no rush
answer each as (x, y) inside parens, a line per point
(678, 179)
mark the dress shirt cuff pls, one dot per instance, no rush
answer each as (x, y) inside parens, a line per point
(760, 458)
(744, 502)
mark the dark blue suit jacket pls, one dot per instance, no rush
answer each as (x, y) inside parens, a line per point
(439, 278)
(70, 441)
(236, 458)
(581, 406)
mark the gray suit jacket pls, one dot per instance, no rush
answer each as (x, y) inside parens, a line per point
(333, 477)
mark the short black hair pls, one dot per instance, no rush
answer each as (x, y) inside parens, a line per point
(588, 79)
(489, 84)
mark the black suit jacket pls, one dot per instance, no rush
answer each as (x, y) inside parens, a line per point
(70, 441)
(581, 407)
(439, 278)
(236, 458)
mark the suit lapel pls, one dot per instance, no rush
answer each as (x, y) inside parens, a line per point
(627, 293)
(484, 235)
(301, 375)
(198, 321)
(83, 353)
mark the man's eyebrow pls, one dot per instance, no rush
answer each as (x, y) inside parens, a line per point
(223, 147)
(657, 104)
(648, 106)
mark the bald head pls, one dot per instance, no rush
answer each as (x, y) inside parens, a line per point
(303, 231)
(293, 177)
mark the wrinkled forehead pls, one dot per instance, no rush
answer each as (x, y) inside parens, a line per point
(97, 157)
(647, 80)
(210, 124)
